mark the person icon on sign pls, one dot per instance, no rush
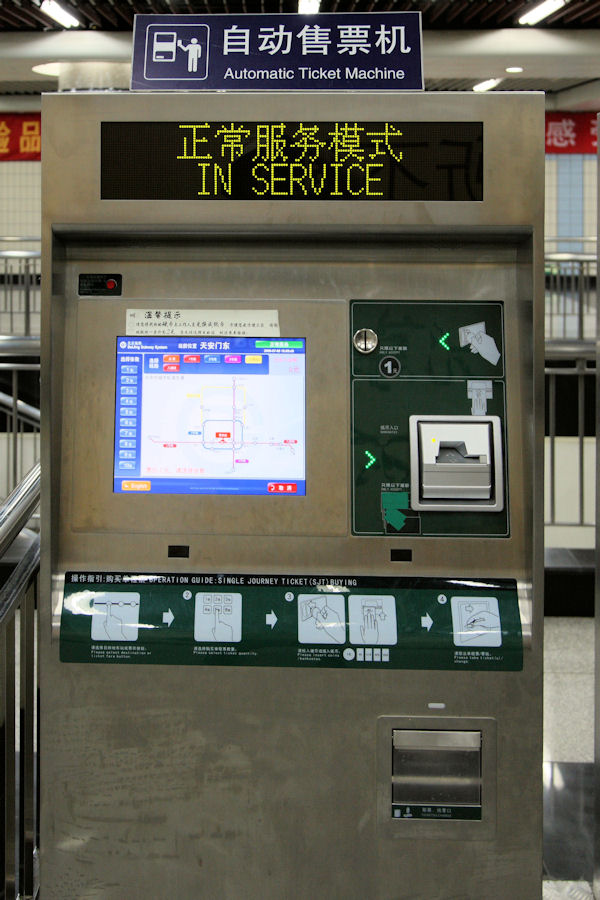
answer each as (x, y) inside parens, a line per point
(194, 52)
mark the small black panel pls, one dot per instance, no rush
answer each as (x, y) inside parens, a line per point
(400, 555)
(100, 285)
(179, 551)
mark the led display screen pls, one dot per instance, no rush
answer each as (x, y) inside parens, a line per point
(336, 160)
(210, 415)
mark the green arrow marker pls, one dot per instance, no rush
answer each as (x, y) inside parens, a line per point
(392, 503)
(442, 340)
(395, 518)
(372, 460)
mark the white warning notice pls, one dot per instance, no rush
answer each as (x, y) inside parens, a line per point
(190, 322)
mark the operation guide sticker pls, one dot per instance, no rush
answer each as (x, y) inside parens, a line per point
(287, 620)
(186, 322)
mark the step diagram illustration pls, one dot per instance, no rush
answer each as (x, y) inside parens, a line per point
(115, 616)
(372, 619)
(476, 622)
(218, 618)
(321, 619)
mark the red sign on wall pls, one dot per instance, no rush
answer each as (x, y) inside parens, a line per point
(20, 136)
(571, 133)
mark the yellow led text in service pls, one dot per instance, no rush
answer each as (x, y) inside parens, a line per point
(292, 159)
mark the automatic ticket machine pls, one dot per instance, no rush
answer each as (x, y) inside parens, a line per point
(291, 620)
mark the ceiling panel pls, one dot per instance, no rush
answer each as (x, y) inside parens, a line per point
(464, 41)
(507, 84)
(117, 15)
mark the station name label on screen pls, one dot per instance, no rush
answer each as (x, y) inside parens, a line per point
(308, 160)
(270, 52)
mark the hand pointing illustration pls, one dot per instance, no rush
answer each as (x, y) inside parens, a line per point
(328, 620)
(483, 621)
(221, 631)
(369, 630)
(485, 345)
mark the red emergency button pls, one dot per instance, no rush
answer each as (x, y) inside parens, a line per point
(111, 284)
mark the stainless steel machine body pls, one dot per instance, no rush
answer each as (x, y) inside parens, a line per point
(366, 753)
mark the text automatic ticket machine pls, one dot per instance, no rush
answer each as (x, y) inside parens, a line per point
(291, 619)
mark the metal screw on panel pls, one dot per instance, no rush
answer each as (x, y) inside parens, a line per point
(365, 340)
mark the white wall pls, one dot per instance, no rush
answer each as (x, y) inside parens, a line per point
(20, 202)
(568, 533)
(571, 200)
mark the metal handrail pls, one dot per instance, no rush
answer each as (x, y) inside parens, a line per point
(19, 824)
(570, 349)
(578, 355)
(25, 412)
(20, 282)
(16, 510)
(15, 239)
(553, 239)
(561, 256)
(19, 345)
(19, 578)
(19, 421)
(20, 254)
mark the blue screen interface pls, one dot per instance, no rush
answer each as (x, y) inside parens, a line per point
(210, 415)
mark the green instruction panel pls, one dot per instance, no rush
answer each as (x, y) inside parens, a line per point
(284, 620)
(430, 359)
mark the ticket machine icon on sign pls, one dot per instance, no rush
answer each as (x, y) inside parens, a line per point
(164, 46)
(177, 52)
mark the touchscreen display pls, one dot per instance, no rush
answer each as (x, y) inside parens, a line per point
(210, 415)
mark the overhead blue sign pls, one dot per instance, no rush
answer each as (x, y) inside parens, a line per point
(331, 51)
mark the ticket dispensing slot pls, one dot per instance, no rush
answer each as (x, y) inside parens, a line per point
(433, 768)
(456, 463)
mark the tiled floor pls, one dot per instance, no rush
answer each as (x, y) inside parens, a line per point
(568, 819)
(568, 757)
(568, 690)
